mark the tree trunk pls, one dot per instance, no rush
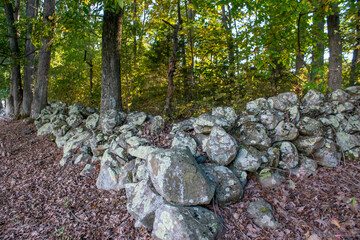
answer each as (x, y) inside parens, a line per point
(110, 68)
(317, 55)
(172, 64)
(191, 41)
(354, 72)
(14, 98)
(42, 82)
(335, 49)
(226, 20)
(300, 56)
(29, 68)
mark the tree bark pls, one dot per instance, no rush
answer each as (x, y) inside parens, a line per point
(42, 82)
(110, 68)
(192, 64)
(14, 98)
(335, 49)
(29, 68)
(300, 56)
(354, 72)
(172, 64)
(226, 20)
(317, 55)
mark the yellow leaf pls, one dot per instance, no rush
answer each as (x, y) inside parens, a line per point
(335, 222)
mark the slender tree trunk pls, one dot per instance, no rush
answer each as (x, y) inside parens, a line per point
(29, 68)
(42, 80)
(111, 56)
(354, 72)
(14, 98)
(191, 41)
(172, 64)
(184, 69)
(300, 56)
(226, 20)
(335, 49)
(317, 55)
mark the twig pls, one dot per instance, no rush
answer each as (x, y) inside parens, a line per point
(80, 220)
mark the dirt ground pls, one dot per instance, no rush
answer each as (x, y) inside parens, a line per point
(39, 199)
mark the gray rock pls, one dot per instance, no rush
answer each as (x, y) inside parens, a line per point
(178, 178)
(289, 157)
(270, 119)
(201, 140)
(78, 108)
(228, 187)
(240, 174)
(290, 97)
(92, 121)
(44, 129)
(347, 141)
(257, 106)
(186, 125)
(310, 127)
(110, 120)
(227, 113)
(327, 156)
(354, 90)
(248, 159)
(254, 134)
(345, 107)
(244, 119)
(332, 120)
(142, 151)
(190, 223)
(130, 127)
(284, 131)
(135, 141)
(313, 97)
(132, 172)
(308, 145)
(339, 95)
(75, 120)
(156, 125)
(89, 168)
(204, 123)
(269, 178)
(306, 168)
(109, 172)
(261, 213)
(353, 154)
(136, 118)
(142, 203)
(183, 141)
(82, 157)
(61, 140)
(272, 157)
(277, 103)
(221, 147)
(72, 144)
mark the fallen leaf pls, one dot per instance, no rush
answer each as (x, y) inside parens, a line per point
(335, 222)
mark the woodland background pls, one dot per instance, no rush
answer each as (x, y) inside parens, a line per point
(185, 55)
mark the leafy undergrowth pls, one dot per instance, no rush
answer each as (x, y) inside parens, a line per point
(41, 200)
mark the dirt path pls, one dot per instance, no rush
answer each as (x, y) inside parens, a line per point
(41, 200)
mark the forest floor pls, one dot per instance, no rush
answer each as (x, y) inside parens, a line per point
(39, 199)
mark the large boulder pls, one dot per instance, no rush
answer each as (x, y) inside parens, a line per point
(227, 113)
(228, 187)
(186, 125)
(313, 103)
(183, 141)
(308, 145)
(142, 203)
(289, 157)
(284, 131)
(204, 123)
(178, 178)
(310, 127)
(290, 97)
(71, 145)
(257, 106)
(109, 120)
(269, 178)
(156, 125)
(270, 119)
(185, 223)
(306, 168)
(254, 134)
(92, 121)
(132, 172)
(74, 120)
(261, 213)
(141, 151)
(347, 141)
(221, 147)
(277, 103)
(248, 159)
(136, 118)
(339, 95)
(328, 155)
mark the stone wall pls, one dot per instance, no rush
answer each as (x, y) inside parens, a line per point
(208, 158)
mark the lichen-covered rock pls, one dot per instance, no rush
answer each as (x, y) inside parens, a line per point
(227, 113)
(185, 223)
(261, 213)
(178, 178)
(313, 97)
(109, 120)
(132, 172)
(228, 187)
(254, 134)
(44, 129)
(204, 123)
(156, 125)
(221, 147)
(201, 140)
(248, 159)
(142, 151)
(293, 113)
(347, 141)
(183, 141)
(272, 157)
(240, 174)
(332, 121)
(310, 127)
(277, 103)
(186, 125)
(92, 121)
(75, 120)
(87, 170)
(327, 156)
(306, 168)
(270, 119)
(308, 145)
(142, 202)
(71, 144)
(284, 131)
(269, 178)
(345, 107)
(339, 95)
(289, 157)
(78, 108)
(353, 154)
(290, 97)
(257, 106)
(351, 124)
(135, 141)
(136, 118)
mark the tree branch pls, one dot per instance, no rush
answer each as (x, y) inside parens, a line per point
(168, 23)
